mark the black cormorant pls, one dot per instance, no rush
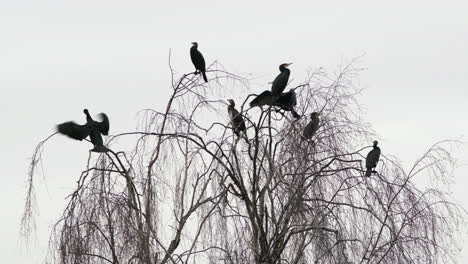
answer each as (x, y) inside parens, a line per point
(262, 99)
(287, 101)
(280, 82)
(312, 127)
(237, 121)
(198, 60)
(92, 128)
(372, 159)
(102, 126)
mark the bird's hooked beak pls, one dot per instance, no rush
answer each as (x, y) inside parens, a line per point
(287, 64)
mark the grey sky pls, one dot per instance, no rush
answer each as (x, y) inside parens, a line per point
(57, 57)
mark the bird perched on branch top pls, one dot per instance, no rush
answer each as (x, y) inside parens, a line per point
(280, 82)
(92, 128)
(262, 99)
(312, 127)
(198, 60)
(372, 159)
(237, 121)
(287, 102)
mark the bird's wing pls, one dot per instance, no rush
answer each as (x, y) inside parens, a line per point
(315, 124)
(307, 132)
(372, 158)
(377, 155)
(240, 121)
(194, 55)
(262, 99)
(369, 159)
(234, 114)
(197, 59)
(292, 100)
(286, 101)
(311, 129)
(202, 61)
(237, 119)
(73, 130)
(103, 126)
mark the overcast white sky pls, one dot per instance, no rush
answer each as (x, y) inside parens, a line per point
(58, 57)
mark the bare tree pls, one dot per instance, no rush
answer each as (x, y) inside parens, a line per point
(192, 192)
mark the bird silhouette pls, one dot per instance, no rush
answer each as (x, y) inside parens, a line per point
(92, 128)
(287, 102)
(237, 121)
(311, 128)
(198, 60)
(372, 159)
(262, 99)
(280, 82)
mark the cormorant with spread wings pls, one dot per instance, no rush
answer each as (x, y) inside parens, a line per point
(92, 128)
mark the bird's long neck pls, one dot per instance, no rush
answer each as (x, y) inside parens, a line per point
(88, 117)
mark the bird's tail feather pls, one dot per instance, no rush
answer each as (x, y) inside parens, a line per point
(204, 76)
(100, 149)
(368, 172)
(295, 114)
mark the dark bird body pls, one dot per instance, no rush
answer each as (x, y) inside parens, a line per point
(92, 128)
(287, 102)
(237, 121)
(198, 60)
(280, 82)
(372, 159)
(312, 127)
(262, 99)
(102, 126)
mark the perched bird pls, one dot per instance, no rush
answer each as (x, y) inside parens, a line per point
(312, 127)
(287, 102)
(372, 159)
(280, 82)
(92, 128)
(198, 60)
(262, 99)
(237, 121)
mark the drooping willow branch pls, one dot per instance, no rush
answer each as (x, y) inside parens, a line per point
(189, 190)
